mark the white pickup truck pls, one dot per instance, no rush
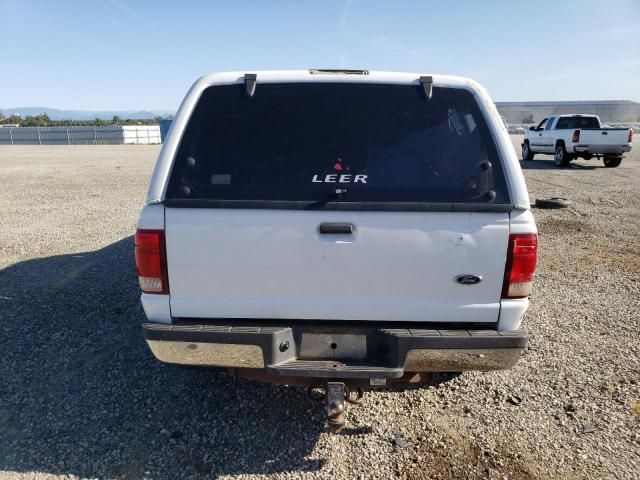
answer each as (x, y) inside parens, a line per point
(568, 137)
(337, 229)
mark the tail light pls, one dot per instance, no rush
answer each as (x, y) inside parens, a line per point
(521, 265)
(151, 261)
(630, 135)
(576, 136)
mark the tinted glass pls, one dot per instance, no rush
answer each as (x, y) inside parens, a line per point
(578, 122)
(317, 142)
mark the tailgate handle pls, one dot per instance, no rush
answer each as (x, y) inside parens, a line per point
(604, 133)
(337, 228)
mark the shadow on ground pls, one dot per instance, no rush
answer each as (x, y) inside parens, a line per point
(539, 164)
(81, 394)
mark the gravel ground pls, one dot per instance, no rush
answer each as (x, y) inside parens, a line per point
(81, 395)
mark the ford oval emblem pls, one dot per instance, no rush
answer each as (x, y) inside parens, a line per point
(468, 279)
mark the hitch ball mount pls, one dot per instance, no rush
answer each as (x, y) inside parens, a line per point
(336, 394)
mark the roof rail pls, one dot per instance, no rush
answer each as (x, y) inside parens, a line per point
(250, 83)
(427, 85)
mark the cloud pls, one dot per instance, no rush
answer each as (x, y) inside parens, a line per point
(106, 10)
(342, 27)
(380, 42)
(120, 5)
(125, 8)
(344, 18)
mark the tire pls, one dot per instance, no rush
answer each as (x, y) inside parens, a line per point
(561, 157)
(555, 202)
(612, 162)
(527, 154)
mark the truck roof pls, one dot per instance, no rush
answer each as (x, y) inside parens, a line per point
(575, 115)
(333, 75)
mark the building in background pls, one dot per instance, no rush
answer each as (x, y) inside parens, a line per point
(609, 111)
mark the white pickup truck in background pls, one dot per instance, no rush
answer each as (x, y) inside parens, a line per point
(568, 137)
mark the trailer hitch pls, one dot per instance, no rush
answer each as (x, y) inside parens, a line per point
(334, 397)
(334, 406)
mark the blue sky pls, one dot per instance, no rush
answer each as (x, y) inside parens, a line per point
(144, 54)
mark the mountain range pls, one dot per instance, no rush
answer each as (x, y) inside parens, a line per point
(57, 114)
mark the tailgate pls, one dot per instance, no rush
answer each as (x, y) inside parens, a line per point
(606, 136)
(394, 266)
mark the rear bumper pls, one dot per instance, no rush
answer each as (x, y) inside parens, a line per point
(602, 149)
(316, 350)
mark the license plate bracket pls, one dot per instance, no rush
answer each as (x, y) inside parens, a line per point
(342, 346)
